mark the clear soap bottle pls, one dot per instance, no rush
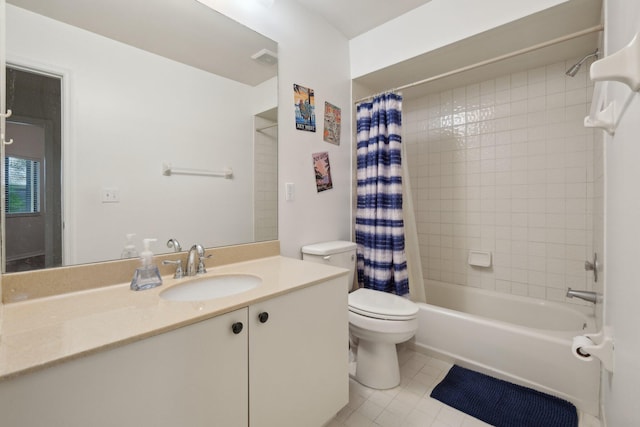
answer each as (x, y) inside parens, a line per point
(129, 250)
(147, 276)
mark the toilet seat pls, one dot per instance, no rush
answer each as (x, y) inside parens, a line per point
(381, 305)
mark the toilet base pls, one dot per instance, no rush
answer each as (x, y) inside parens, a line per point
(377, 365)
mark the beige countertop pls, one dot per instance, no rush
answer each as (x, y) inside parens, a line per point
(40, 332)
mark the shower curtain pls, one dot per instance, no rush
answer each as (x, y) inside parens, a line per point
(379, 228)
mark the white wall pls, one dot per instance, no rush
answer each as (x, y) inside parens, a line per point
(313, 54)
(128, 112)
(621, 391)
(505, 166)
(434, 25)
(265, 96)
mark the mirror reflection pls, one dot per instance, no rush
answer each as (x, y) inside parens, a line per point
(102, 109)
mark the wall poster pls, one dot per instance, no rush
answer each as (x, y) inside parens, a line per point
(332, 119)
(323, 171)
(305, 108)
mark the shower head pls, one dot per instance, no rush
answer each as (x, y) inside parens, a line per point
(571, 72)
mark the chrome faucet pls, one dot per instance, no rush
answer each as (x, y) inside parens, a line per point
(192, 270)
(583, 295)
(174, 244)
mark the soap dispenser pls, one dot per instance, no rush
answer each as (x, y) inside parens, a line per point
(147, 276)
(129, 250)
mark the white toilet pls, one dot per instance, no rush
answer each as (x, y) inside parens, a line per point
(378, 320)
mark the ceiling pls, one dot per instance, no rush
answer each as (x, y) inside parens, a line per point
(354, 17)
(184, 31)
(190, 32)
(517, 36)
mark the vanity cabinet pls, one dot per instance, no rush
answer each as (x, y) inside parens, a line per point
(280, 362)
(191, 376)
(298, 357)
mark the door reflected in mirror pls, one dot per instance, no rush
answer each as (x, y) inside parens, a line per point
(125, 106)
(33, 209)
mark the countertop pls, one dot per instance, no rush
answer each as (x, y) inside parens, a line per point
(41, 332)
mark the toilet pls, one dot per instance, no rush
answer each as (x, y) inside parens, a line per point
(377, 320)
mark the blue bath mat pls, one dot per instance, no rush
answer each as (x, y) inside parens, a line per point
(501, 403)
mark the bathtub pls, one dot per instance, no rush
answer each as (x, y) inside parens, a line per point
(524, 341)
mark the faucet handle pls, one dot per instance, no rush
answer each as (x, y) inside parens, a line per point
(593, 266)
(179, 272)
(201, 268)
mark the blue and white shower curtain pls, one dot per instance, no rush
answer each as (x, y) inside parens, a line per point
(381, 258)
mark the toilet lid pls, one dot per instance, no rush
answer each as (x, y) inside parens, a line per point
(381, 305)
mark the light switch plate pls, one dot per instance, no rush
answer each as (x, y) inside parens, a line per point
(289, 191)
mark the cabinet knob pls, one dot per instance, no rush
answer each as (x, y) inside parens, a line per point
(263, 317)
(237, 327)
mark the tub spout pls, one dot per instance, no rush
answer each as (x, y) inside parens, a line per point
(583, 295)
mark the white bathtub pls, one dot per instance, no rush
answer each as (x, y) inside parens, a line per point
(513, 338)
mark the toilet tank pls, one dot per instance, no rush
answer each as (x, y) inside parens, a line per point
(338, 253)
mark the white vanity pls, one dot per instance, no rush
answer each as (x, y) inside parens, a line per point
(275, 355)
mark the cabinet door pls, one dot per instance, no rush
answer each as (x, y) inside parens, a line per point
(298, 357)
(192, 376)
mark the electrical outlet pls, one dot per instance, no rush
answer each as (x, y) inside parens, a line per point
(110, 195)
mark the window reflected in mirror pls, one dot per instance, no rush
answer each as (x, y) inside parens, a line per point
(33, 232)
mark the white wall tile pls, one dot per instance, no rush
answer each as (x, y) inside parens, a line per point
(506, 165)
(518, 79)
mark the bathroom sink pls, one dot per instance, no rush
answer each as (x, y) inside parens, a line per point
(207, 288)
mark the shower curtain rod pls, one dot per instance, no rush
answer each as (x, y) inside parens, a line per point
(538, 46)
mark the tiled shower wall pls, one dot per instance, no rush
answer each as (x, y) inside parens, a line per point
(265, 166)
(506, 166)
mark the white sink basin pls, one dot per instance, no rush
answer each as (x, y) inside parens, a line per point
(206, 288)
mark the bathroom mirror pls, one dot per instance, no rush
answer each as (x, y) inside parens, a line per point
(124, 114)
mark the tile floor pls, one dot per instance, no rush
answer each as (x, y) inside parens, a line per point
(409, 404)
